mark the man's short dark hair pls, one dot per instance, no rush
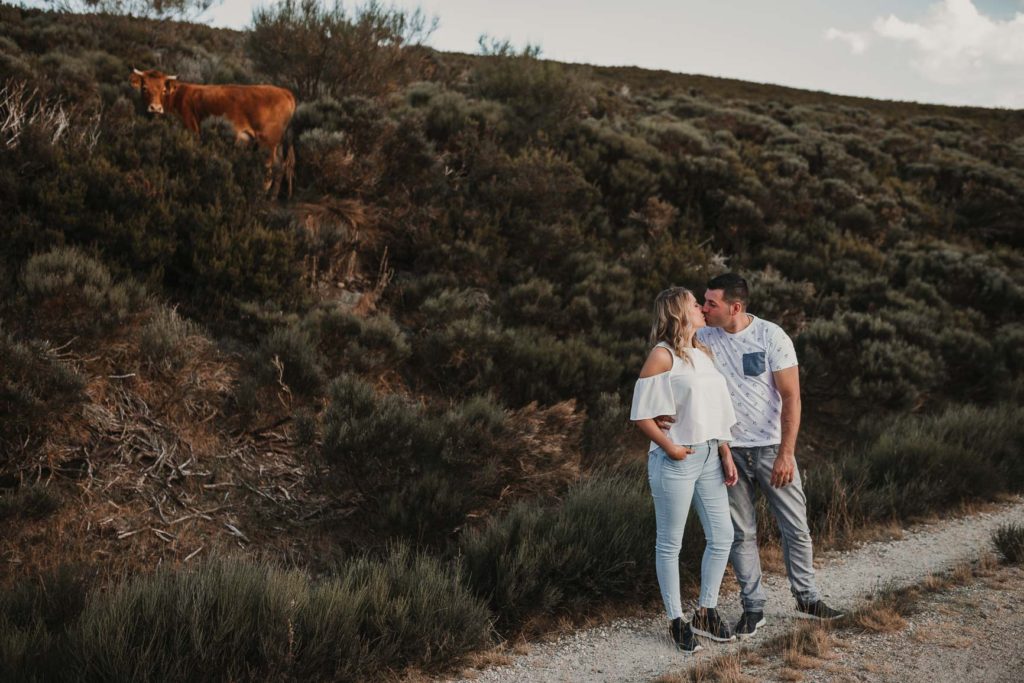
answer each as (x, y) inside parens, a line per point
(734, 288)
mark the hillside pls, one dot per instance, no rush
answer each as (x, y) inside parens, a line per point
(410, 381)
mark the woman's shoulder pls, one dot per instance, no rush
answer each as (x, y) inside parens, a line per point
(660, 359)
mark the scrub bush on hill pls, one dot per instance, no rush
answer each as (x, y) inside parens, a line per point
(69, 293)
(545, 98)
(28, 502)
(912, 465)
(355, 145)
(233, 619)
(319, 50)
(447, 461)
(167, 339)
(37, 390)
(154, 201)
(548, 560)
(350, 342)
(530, 212)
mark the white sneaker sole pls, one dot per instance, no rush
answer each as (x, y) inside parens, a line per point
(715, 638)
(815, 617)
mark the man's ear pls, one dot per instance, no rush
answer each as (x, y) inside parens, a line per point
(135, 79)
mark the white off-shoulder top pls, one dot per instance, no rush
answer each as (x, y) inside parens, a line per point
(696, 394)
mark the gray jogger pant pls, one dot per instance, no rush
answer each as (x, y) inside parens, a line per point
(789, 506)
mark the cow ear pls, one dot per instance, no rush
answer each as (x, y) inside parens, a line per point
(136, 79)
(171, 83)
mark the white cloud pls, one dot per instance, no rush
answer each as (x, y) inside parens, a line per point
(956, 44)
(858, 42)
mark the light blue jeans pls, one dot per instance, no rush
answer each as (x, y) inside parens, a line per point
(674, 484)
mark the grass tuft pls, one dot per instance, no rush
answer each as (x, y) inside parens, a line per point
(1009, 541)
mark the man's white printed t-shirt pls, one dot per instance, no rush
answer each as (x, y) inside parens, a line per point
(747, 359)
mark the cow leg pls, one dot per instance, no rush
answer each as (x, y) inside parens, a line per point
(289, 168)
(272, 179)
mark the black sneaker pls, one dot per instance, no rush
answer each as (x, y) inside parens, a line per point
(710, 625)
(683, 636)
(819, 610)
(748, 624)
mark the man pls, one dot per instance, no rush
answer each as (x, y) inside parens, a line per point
(760, 366)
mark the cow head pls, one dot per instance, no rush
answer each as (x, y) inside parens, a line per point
(155, 87)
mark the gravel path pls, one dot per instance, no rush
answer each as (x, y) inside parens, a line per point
(974, 633)
(639, 649)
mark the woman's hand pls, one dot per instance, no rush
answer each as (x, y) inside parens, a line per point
(677, 452)
(732, 475)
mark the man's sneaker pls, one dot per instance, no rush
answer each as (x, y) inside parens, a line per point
(710, 625)
(683, 636)
(748, 624)
(819, 610)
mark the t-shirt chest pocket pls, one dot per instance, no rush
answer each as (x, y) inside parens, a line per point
(753, 363)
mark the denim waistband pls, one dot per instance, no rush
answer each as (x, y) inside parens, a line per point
(711, 444)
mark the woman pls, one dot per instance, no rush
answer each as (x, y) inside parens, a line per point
(689, 462)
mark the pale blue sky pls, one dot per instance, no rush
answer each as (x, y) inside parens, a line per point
(944, 51)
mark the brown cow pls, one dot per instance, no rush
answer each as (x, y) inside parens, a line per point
(259, 113)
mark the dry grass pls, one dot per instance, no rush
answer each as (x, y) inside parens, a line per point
(722, 669)
(887, 612)
(156, 475)
(485, 659)
(879, 618)
(771, 557)
(962, 573)
(803, 647)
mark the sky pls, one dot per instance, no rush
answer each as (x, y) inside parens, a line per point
(961, 52)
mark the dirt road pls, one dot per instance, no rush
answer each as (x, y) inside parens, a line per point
(639, 650)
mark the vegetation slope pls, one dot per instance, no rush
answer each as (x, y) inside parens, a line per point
(383, 424)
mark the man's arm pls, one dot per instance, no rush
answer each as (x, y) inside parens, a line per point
(788, 384)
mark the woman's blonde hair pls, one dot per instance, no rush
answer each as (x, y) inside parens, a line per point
(671, 324)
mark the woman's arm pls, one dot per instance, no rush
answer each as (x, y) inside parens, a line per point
(659, 360)
(652, 432)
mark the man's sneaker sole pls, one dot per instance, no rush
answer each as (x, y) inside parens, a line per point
(808, 615)
(758, 625)
(811, 615)
(696, 648)
(706, 634)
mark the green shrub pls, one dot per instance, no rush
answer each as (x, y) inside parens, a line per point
(544, 97)
(596, 546)
(316, 49)
(70, 292)
(1009, 541)
(349, 342)
(934, 450)
(34, 615)
(168, 340)
(290, 355)
(863, 358)
(37, 390)
(28, 502)
(606, 427)
(369, 437)
(231, 619)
